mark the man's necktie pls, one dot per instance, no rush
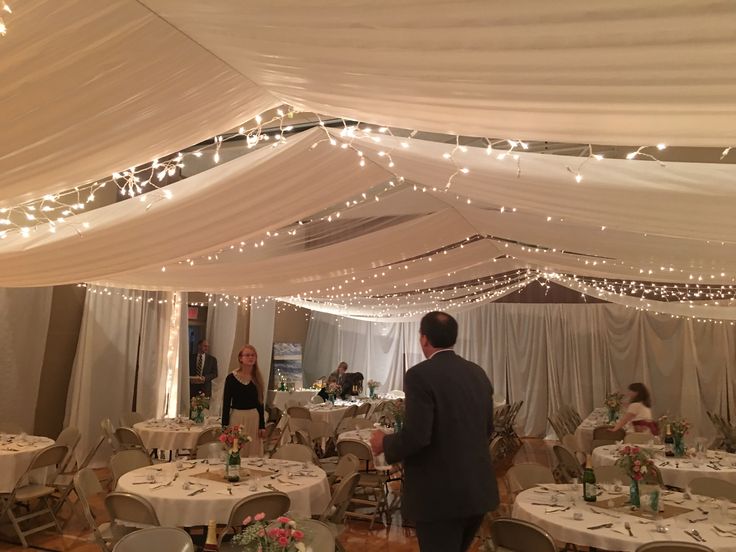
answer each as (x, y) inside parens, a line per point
(200, 362)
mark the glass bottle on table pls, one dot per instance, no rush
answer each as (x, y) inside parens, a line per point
(590, 491)
(669, 442)
(210, 544)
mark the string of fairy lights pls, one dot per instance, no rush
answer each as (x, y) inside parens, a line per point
(5, 10)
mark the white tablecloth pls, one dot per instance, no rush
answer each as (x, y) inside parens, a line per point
(364, 435)
(175, 507)
(171, 435)
(678, 472)
(280, 398)
(564, 528)
(328, 413)
(584, 432)
(16, 453)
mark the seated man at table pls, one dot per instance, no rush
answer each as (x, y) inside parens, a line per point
(352, 385)
(202, 370)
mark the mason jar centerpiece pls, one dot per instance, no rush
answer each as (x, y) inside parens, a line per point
(372, 386)
(333, 390)
(197, 405)
(233, 439)
(638, 463)
(613, 406)
(679, 428)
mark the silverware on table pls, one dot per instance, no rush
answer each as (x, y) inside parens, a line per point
(627, 525)
(601, 526)
(602, 513)
(695, 532)
(203, 489)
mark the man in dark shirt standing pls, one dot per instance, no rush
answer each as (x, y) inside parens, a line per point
(202, 370)
(449, 479)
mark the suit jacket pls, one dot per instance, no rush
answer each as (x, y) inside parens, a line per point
(209, 371)
(444, 440)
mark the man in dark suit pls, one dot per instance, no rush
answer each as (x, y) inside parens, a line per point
(202, 370)
(449, 479)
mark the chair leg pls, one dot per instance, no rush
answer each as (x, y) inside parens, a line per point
(16, 527)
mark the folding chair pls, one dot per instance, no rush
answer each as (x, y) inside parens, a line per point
(272, 504)
(127, 460)
(130, 508)
(372, 487)
(24, 493)
(86, 486)
(64, 482)
(129, 439)
(514, 535)
(69, 437)
(161, 539)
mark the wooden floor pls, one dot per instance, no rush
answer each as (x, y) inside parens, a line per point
(356, 538)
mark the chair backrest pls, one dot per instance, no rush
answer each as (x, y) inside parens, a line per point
(161, 539)
(317, 534)
(130, 508)
(351, 412)
(607, 434)
(714, 488)
(346, 465)
(294, 452)
(610, 474)
(638, 438)
(108, 430)
(128, 438)
(525, 476)
(363, 409)
(214, 449)
(129, 419)
(51, 456)
(521, 536)
(673, 546)
(209, 435)
(92, 451)
(272, 440)
(86, 485)
(341, 496)
(272, 504)
(301, 437)
(496, 449)
(358, 448)
(346, 424)
(69, 437)
(570, 442)
(274, 414)
(128, 460)
(299, 412)
(567, 462)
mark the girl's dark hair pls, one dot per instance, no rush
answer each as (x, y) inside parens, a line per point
(642, 394)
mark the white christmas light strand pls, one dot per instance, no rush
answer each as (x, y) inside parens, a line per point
(6, 9)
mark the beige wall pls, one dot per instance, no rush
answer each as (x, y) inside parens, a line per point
(291, 324)
(67, 305)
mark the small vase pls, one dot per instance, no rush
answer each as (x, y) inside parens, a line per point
(397, 425)
(612, 415)
(331, 398)
(371, 393)
(232, 469)
(634, 499)
(679, 447)
(197, 416)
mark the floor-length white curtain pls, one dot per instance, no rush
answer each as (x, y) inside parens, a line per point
(122, 359)
(553, 354)
(222, 317)
(24, 323)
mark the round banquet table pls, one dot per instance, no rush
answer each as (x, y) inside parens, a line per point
(16, 453)
(537, 505)
(328, 413)
(364, 435)
(168, 434)
(584, 432)
(178, 507)
(279, 399)
(678, 472)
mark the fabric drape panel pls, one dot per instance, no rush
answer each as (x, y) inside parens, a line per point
(553, 354)
(536, 70)
(122, 353)
(121, 88)
(23, 329)
(260, 333)
(222, 319)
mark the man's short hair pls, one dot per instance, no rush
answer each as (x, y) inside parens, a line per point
(200, 342)
(439, 328)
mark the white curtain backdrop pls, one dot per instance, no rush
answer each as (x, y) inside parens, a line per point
(123, 332)
(553, 354)
(260, 334)
(23, 329)
(222, 318)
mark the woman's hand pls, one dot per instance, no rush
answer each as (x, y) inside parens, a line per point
(261, 433)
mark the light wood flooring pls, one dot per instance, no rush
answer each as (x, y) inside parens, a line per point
(356, 538)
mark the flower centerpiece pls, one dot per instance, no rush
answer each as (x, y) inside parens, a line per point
(233, 439)
(372, 386)
(333, 389)
(639, 466)
(613, 404)
(198, 404)
(397, 412)
(260, 535)
(679, 428)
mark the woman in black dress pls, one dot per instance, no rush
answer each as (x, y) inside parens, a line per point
(242, 402)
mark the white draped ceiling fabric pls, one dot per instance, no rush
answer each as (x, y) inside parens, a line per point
(91, 88)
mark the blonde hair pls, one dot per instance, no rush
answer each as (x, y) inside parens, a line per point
(255, 375)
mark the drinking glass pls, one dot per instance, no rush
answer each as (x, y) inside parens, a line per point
(649, 496)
